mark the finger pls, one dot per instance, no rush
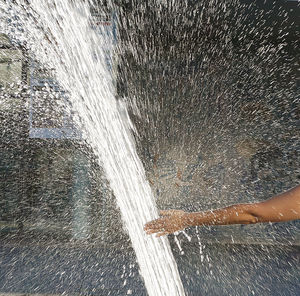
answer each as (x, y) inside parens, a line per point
(151, 231)
(158, 223)
(162, 233)
(152, 226)
(156, 228)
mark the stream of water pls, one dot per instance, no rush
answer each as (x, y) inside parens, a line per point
(59, 34)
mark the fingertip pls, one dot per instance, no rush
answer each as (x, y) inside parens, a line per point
(151, 231)
(161, 234)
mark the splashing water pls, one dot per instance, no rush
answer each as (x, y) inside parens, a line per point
(59, 34)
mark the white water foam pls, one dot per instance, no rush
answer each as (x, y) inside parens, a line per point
(59, 34)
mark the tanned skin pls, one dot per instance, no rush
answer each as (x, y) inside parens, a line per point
(280, 208)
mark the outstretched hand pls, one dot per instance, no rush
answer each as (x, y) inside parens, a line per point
(170, 221)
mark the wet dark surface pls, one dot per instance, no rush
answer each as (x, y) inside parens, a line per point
(59, 270)
(212, 269)
(240, 270)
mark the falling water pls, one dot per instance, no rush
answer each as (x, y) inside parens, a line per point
(59, 34)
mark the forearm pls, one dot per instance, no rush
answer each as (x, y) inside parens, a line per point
(283, 207)
(236, 214)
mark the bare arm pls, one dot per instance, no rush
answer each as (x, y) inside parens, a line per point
(283, 207)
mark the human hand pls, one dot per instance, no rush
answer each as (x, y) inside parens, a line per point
(170, 221)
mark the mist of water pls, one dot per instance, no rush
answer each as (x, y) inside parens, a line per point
(59, 33)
